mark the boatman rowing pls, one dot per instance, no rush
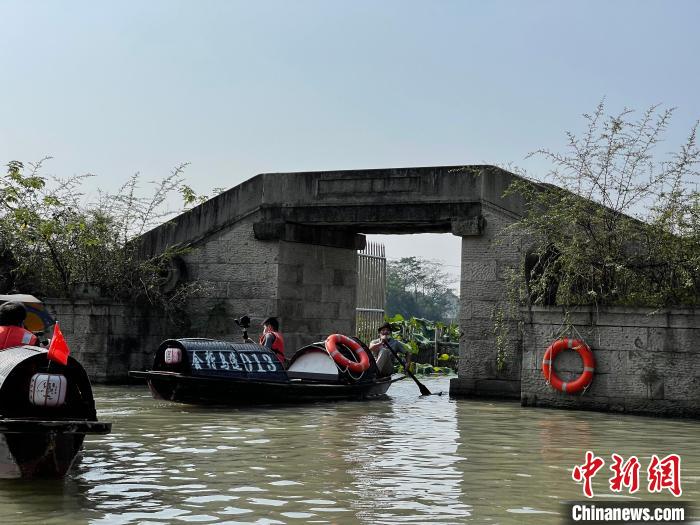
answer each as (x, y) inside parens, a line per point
(382, 355)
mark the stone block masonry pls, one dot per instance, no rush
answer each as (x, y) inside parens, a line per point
(647, 362)
(486, 263)
(109, 338)
(316, 292)
(238, 274)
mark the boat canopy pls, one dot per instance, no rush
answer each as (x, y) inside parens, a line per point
(30, 384)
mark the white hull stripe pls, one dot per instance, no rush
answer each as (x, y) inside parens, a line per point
(547, 362)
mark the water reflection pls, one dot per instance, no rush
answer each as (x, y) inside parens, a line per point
(404, 469)
(518, 464)
(402, 459)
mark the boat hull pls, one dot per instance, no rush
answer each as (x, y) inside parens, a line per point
(42, 449)
(228, 391)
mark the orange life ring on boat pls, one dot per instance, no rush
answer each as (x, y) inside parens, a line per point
(582, 381)
(359, 366)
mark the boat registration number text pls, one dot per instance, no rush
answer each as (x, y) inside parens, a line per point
(234, 361)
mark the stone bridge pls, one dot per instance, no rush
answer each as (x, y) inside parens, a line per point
(285, 244)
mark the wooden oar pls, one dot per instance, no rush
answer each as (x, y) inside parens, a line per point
(423, 389)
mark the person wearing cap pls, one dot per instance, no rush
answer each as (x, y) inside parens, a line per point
(12, 331)
(379, 350)
(272, 339)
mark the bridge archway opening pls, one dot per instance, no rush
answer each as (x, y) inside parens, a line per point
(436, 262)
(414, 276)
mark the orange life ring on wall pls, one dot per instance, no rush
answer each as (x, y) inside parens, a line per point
(359, 366)
(582, 381)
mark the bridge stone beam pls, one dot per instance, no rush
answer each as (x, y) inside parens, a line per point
(460, 218)
(303, 233)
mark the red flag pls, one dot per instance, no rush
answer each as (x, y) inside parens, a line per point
(58, 348)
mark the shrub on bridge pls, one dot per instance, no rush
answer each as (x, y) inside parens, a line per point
(55, 241)
(621, 223)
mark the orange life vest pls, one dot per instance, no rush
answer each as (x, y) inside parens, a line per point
(16, 336)
(277, 344)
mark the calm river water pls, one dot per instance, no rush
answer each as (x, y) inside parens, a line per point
(400, 459)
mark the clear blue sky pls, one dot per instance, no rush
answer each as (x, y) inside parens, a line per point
(240, 88)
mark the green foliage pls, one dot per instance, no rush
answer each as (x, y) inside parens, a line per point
(427, 370)
(506, 319)
(53, 241)
(191, 198)
(501, 332)
(418, 287)
(419, 335)
(621, 226)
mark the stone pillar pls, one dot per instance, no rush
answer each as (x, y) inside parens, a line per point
(486, 261)
(305, 276)
(316, 292)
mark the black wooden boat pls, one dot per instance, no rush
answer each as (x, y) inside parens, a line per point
(45, 411)
(208, 371)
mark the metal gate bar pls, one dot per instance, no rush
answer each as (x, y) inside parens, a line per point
(371, 290)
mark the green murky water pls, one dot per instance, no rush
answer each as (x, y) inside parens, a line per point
(403, 459)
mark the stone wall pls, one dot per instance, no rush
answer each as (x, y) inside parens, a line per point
(108, 338)
(646, 362)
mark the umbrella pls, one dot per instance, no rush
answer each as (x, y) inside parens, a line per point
(38, 319)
